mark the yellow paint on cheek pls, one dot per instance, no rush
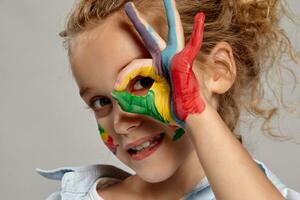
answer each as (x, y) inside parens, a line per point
(104, 136)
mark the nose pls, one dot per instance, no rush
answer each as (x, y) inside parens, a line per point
(125, 122)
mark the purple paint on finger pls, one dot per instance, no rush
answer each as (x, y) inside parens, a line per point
(149, 41)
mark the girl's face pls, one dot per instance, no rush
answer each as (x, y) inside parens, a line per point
(97, 57)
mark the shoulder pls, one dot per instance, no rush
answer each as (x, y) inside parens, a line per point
(80, 182)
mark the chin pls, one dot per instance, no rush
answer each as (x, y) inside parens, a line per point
(157, 178)
(157, 174)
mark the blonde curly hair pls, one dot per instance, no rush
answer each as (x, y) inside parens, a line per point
(251, 27)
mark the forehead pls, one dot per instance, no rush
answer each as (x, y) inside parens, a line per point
(99, 53)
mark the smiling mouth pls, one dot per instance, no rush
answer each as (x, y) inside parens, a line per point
(147, 148)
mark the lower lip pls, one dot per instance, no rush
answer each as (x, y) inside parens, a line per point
(144, 154)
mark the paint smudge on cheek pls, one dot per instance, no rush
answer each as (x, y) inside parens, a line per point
(108, 140)
(178, 132)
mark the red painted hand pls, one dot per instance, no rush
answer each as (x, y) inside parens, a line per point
(174, 60)
(185, 88)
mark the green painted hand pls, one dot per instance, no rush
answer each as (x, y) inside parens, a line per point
(138, 104)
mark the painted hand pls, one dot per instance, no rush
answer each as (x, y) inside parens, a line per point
(139, 89)
(173, 60)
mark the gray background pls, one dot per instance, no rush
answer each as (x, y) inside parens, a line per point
(44, 123)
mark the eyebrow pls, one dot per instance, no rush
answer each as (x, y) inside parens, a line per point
(124, 66)
(138, 57)
(83, 91)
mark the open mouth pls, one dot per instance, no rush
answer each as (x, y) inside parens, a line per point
(147, 148)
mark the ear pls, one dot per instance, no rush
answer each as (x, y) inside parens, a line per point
(221, 70)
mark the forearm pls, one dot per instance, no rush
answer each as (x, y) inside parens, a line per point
(229, 168)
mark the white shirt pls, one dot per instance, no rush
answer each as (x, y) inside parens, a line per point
(82, 183)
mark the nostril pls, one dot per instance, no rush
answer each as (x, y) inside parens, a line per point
(126, 124)
(134, 125)
(131, 127)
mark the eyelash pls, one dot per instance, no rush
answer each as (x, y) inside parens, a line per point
(94, 99)
(149, 82)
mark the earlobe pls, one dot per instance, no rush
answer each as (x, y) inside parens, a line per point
(222, 68)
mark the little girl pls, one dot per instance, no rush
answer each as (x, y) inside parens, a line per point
(167, 104)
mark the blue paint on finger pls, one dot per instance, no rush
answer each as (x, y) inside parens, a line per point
(146, 34)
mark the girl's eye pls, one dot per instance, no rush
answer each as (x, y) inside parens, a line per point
(100, 102)
(140, 85)
(100, 105)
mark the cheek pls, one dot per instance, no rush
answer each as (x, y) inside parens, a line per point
(107, 139)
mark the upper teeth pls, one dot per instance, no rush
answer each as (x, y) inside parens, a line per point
(142, 146)
(150, 143)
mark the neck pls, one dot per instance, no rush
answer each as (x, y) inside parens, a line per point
(187, 176)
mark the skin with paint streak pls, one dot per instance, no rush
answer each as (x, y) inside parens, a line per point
(158, 95)
(108, 140)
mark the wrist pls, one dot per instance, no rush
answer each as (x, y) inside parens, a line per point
(204, 120)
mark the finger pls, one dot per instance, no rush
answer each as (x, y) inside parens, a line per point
(195, 42)
(175, 32)
(151, 39)
(130, 103)
(125, 100)
(138, 104)
(153, 42)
